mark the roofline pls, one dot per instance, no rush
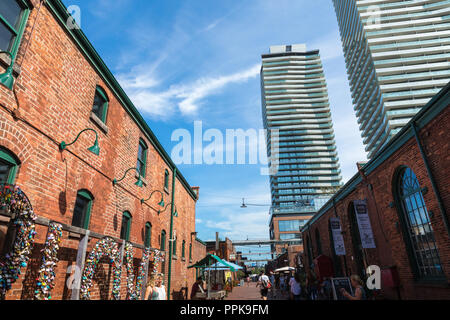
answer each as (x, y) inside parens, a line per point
(59, 10)
(286, 54)
(202, 242)
(433, 108)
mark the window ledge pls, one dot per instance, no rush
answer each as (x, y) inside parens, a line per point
(74, 235)
(166, 190)
(98, 122)
(5, 61)
(174, 257)
(183, 259)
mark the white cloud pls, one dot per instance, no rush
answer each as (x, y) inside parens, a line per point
(186, 97)
(330, 46)
(251, 225)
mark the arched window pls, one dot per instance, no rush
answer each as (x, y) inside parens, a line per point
(8, 166)
(166, 180)
(126, 226)
(100, 106)
(318, 243)
(148, 235)
(142, 158)
(163, 240)
(82, 210)
(417, 227)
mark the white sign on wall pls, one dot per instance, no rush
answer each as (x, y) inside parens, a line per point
(365, 228)
(338, 239)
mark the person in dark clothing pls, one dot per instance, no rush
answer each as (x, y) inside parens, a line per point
(197, 287)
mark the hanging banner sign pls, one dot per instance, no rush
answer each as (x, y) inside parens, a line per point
(365, 229)
(338, 239)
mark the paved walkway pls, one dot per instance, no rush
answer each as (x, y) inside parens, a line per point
(251, 292)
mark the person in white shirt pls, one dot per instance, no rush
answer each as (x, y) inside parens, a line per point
(264, 283)
(296, 288)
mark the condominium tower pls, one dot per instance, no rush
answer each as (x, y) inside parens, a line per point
(397, 55)
(295, 103)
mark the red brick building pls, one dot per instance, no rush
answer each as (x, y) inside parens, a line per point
(406, 189)
(226, 249)
(61, 88)
(286, 227)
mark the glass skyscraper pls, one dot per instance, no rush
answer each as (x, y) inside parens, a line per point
(397, 55)
(295, 103)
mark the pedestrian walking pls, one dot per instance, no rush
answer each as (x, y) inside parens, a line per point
(312, 285)
(282, 283)
(272, 282)
(295, 287)
(264, 283)
(325, 289)
(248, 281)
(357, 284)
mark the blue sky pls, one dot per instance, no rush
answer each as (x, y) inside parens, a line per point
(182, 61)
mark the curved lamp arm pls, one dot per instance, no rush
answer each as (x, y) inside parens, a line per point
(138, 183)
(94, 149)
(161, 203)
(175, 213)
(7, 78)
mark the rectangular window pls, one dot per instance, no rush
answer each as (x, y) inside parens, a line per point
(142, 158)
(166, 180)
(100, 106)
(290, 225)
(289, 236)
(148, 235)
(125, 228)
(81, 212)
(13, 16)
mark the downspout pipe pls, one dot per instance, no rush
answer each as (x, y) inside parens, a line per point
(172, 206)
(430, 175)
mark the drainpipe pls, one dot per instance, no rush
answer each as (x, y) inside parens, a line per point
(174, 174)
(430, 175)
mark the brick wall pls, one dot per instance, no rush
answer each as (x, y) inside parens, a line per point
(391, 249)
(53, 102)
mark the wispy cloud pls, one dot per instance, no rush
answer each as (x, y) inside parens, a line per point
(329, 45)
(251, 225)
(186, 98)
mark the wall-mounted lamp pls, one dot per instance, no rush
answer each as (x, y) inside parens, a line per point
(161, 203)
(139, 182)
(7, 78)
(95, 149)
(175, 213)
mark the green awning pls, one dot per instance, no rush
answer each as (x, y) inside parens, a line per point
(209, 260)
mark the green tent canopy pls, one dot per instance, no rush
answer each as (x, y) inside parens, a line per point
(209, 260)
